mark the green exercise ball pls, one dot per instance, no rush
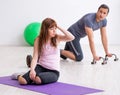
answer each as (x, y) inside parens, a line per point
(31, 31)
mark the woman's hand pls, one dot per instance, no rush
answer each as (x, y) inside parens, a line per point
(32, 75)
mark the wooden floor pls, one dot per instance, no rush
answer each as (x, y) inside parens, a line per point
(105, 77)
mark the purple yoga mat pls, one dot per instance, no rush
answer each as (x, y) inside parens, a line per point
(57, 88)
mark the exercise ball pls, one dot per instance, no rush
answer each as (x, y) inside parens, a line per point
(31, 31)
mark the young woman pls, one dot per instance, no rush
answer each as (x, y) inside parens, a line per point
(45, 65)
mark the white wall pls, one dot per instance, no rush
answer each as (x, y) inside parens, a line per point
(16, 14)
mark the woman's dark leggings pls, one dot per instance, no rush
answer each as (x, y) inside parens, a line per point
(46, 75)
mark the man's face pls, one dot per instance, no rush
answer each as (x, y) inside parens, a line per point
(102, 13)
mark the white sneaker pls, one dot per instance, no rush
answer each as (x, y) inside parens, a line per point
(15, 76)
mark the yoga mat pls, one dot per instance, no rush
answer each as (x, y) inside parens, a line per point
(57, 88)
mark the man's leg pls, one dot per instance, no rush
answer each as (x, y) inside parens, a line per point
(61, 51)
(74, 52)
(67, 54)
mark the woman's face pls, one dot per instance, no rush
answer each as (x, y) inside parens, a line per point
(102, 13)
(52, 31)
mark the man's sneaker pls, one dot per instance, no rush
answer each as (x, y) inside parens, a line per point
(28, 60)
(62, 56)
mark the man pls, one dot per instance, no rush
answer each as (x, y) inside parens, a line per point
(85, 26)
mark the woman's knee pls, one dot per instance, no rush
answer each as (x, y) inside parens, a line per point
(38, 80)
(22, 80)
(49, 77)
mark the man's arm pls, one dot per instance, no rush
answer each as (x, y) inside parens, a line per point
(105, 40)
(89, 32)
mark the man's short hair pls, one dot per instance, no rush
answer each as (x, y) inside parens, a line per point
(104, 6)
